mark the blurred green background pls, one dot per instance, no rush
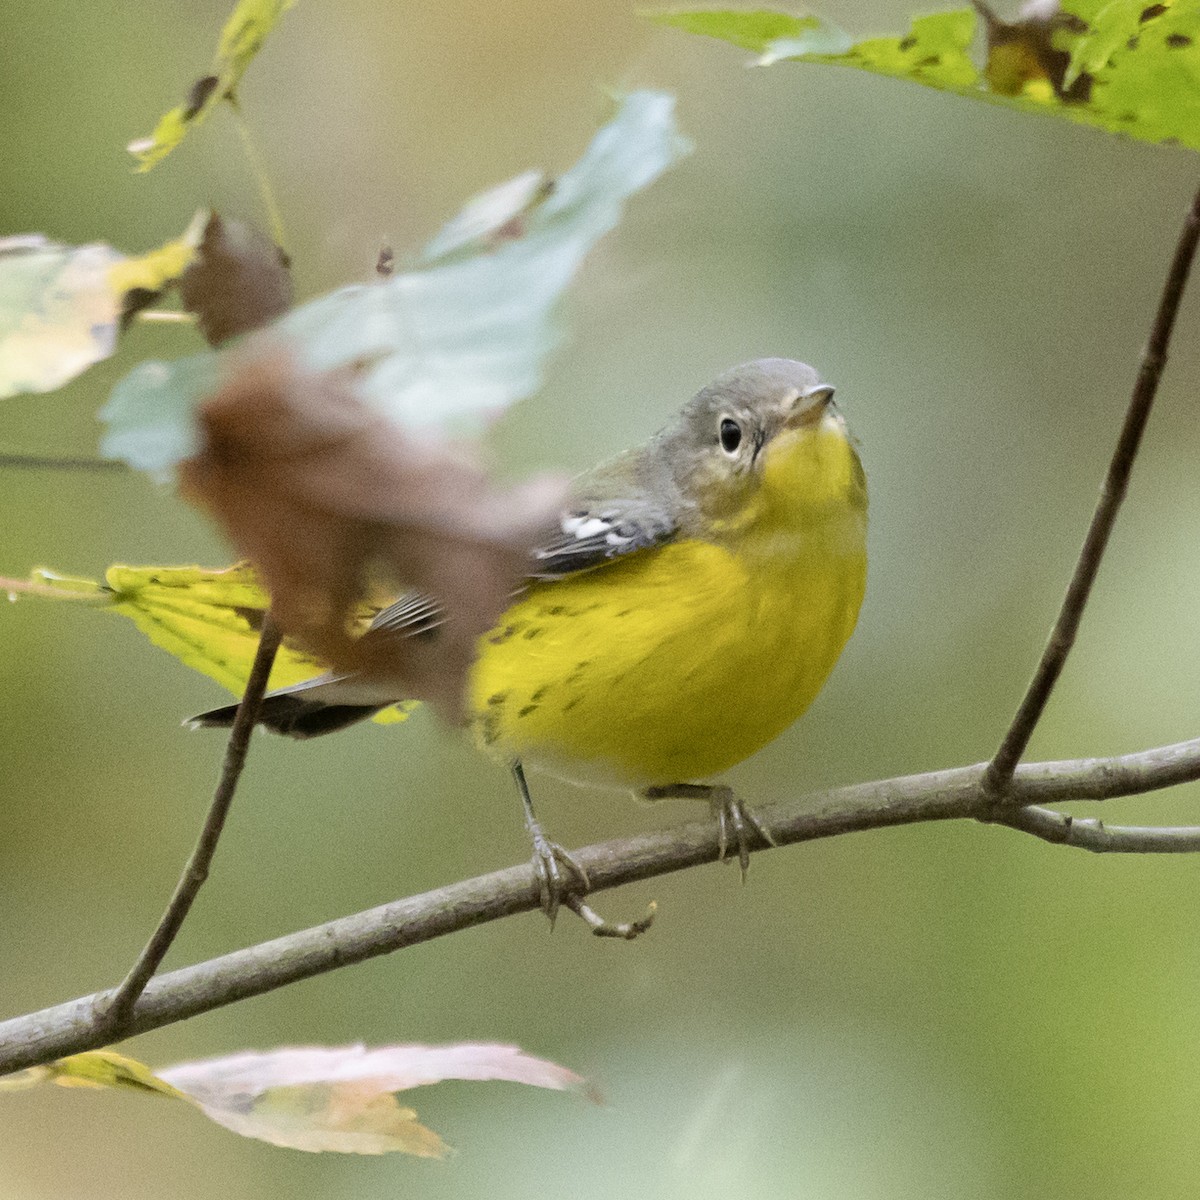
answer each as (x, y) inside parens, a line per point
(953, 1011)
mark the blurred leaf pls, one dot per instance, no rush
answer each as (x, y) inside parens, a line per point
(319, 492)
(311, 1097)
(58, 311)
(1124, 67)
(444, 348)
(61, 306)
(238, 281)
(773, 35)
(751, 29)
(492, 217)
(241, 39)
(208, 619)
(326, 1098)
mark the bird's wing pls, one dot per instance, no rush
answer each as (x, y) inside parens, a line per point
(410, 616)
(593, 533)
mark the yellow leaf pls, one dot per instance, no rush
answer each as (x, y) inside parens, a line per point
(244, 34)
(241, 39)
(154, 270)
(208, 619)
(108, 1069)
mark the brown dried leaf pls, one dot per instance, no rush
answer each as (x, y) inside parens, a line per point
(238, 282)
(327, 497)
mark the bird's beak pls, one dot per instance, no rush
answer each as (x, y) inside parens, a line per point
(808, 407)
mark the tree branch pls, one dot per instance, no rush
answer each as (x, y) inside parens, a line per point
(1062, 637)
(940, 795)
(113, 1009)
(1088, 833)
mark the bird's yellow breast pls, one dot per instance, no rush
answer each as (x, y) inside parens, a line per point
(678, 662)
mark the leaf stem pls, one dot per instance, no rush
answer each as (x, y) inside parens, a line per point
(27, 587)
(165, 316)
(999, 773)
(259, 169)
(116, 1008)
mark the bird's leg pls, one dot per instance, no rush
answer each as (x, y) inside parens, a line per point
(550, 860)
(735, 822)
(551, 865)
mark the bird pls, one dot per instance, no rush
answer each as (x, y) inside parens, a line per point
(689, 607)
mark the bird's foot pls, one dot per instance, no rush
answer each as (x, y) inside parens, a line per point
(559, 877)
(563, 880)
(737, 825)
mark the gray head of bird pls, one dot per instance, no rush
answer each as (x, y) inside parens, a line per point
(761, 444)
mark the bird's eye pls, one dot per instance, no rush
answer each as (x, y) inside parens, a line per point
(730, 435)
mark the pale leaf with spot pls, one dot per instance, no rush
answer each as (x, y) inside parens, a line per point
(62, 307)
(241, 39)
(445, 348)
(1125, 67)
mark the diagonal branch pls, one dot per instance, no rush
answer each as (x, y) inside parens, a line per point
(115, 1008)
(938, 796)
(1062, 637)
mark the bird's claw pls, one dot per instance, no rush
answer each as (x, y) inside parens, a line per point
(736, 825)
(561, 879)
(552, 868)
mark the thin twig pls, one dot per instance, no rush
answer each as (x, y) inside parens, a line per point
(116, 1007)
(165, 316)
(15, 588)
(1062, 636)
(60, 462)
(1088, 833)
(938, 796)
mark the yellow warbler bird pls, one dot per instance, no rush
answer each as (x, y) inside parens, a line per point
(690, 608)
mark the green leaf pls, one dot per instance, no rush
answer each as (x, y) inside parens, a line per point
(751, 29)
(1126, 67)
(445, 347)
(241, 39)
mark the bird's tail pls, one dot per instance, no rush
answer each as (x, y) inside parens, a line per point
(291, 715)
